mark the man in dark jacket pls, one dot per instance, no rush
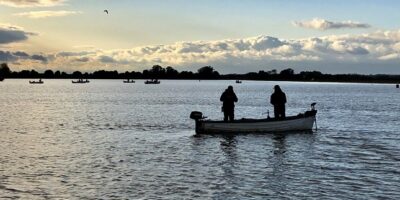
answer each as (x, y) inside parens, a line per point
(278, 100)
(229, 98)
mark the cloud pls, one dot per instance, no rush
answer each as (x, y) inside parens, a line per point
(82, 59)
(8, 56)
(70, 54)
(107, 59)
(11, 33)
(84, 46)
(361, 53)
(39, 58)
(32, 3)
(322, 24)
(21, 54)
(47, 14)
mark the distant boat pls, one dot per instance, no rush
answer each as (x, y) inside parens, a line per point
(152, 81)
(238, 81)
(129, 81)
(302, 122)
(81, 81)
(397, 85)
(36, 82)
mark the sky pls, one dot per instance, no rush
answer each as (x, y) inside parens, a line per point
(233, 36)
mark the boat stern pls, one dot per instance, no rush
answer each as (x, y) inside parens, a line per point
(197, 116)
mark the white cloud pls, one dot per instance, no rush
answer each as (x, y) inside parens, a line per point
(32, 3)
(392, 56)
(46, 14)
(322, 24)
(362, 52)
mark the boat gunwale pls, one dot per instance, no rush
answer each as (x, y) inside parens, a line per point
(79, 82)
(36, 82)
(245, 120)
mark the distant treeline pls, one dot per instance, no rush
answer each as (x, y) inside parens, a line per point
(206, 72)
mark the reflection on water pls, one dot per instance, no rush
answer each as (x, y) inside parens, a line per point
(272, 165)
(108, 140)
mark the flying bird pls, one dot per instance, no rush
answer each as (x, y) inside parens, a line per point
(106, 11)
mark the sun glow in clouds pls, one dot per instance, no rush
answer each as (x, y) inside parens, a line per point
(31, 3)
(374, 47)
(139, 34)
(46, 14)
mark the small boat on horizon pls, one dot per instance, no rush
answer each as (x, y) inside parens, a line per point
(152, 81)
(302, 122)
(36, 82)
(128, 81)
(238, 81)
(81, 81)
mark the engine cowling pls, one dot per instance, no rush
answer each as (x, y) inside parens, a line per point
(196, 115)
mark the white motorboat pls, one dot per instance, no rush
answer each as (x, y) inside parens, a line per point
(302, 122)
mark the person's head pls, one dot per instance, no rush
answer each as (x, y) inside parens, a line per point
(277, 88)
(230, 88)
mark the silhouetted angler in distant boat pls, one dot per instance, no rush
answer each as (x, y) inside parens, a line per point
(229, 98)
(278, 100)
(397, 85)
(36, 82)
(152, 81)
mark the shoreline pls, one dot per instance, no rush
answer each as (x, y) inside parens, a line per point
(144, 79)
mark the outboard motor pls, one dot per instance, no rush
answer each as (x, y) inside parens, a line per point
(313, 106)
(196, 115)
(311, 112)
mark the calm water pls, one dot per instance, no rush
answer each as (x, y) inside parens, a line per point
(112, 140)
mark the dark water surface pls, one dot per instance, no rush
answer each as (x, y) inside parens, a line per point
(112, 140)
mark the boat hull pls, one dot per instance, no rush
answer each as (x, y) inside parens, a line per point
(79, 82)
(152, 82)
(303, 122)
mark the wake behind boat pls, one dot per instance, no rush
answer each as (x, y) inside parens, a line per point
(302, 122)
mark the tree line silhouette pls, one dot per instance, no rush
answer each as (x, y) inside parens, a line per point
(203, 73)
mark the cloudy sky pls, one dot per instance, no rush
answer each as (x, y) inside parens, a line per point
(233, 36)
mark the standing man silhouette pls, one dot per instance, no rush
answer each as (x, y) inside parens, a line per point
(229, 98)
(278, 100)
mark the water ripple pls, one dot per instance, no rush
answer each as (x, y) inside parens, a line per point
(107, 140)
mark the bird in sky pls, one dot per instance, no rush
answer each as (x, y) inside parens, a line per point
(106, 11)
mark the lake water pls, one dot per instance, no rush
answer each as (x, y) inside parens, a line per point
(109, 140)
